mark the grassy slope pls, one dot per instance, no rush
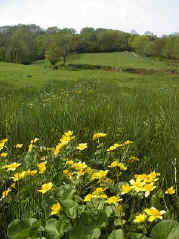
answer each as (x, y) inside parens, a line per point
(124, 59)
(125, 106)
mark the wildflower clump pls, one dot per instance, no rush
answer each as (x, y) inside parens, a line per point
(66, 187)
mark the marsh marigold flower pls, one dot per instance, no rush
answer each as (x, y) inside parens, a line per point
(125, 188)
(42, 167)
(82, 147)
(98, 135)
(3, 141)
(134, 158)
(5, 193)
(33, 141)
(69, 162)
(113, 147)
(55, 209)
(114, 164)
(128, 142)
(18, 146)
(3, 155)
(45, 187)
(11, 167)
(147, 188)
(170, 191)
(113, 200)
(88, 197)
(154, 214)
(122, 167)
(140, 218)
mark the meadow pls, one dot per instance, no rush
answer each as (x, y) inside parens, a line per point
(38, 102)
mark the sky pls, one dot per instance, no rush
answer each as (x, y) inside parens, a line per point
(158, 16)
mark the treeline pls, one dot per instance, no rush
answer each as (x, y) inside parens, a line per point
(27, 43)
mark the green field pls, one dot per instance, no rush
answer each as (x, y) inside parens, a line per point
(124, 60)
(36, 101)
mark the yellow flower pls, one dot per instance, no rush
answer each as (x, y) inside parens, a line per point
(128, 142)
(42, 167)
(55, 208)
(11, 167)
(69, 162)
(1, 146)
(68, 133)
(30, 148)
(82, 147)
(45, 187)
(13, 185)
(98, 135)
(122, 166)
(102, 196)
(33, 141)
(125, 188)
(88, 197)
(3, 155)
(113, 147)
(79, 166)
(5, 193)
(113, 200)
(154, 214)
(114, 164)
(67, 137)
(17, 177)
(152, 177)
(18, 146)
(98, 191)
(137, 185)
(134, 158)
(170, 191)
(99, 175)
(58, 148)
(3, 141)
(33, 172)
(88, 170)
(147, 188)
(140, 218)
(66, 171)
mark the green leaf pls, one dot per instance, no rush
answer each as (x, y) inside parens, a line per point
(174, 234)
(162, 229)
(109, 211)
(54, 229)
(133, 235)
(20, 229)
(117, 234)
(65, 192)
(85, 232)
(70, 208)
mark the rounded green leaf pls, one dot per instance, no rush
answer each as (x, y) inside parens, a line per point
(116, 234)
(133, 235)
(20, 229)
(174, 234)
(54, 229)
(162, 229)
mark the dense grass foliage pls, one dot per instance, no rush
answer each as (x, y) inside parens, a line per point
(40, 102)
(36, 101)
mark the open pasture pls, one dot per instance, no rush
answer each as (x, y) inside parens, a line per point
(38, 102)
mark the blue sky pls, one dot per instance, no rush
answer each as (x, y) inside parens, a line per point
(158, 16)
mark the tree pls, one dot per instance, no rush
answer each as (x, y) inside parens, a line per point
(138, 43)
(60, 46)
(21, 47)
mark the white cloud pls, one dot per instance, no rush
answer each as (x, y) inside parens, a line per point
(141, 15)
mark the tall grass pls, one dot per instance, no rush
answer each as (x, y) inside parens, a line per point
(149, 116)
